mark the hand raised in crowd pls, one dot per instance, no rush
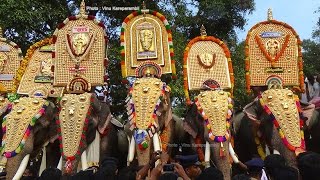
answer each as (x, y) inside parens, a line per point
(180, 171)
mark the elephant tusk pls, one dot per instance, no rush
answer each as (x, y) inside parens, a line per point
(207, 154)
(84, 163)
(156, 145)
(60, 164)
(43, 164)
(233, 154)
(267, 151)
(131, 150)
(22, 168)
(276, 151)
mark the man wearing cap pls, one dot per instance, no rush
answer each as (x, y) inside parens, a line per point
(255, 169)
(191, 165)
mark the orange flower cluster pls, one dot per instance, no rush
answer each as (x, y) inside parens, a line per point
(24, 63)
(199, 148)
(185, 58)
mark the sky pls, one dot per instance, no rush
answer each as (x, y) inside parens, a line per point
(299, 14)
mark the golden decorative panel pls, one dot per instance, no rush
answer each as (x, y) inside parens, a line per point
(272, 49)
(18, 120)
(215, 107)
(72, 116)
(10, 58)
(282, 104)
(146, 38)
(80, 47)
(207, 60)
(145, 95)
(39, 74)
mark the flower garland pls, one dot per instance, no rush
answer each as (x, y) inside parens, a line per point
(15, 78)
(132, 113)
(199, 148)
(185, 63)
(83, 135)
(265, 53)
(164, 139)
(247, 58)
(26, 134)
(208, 125)
(122, 39)
(260, 150)
(276, 124)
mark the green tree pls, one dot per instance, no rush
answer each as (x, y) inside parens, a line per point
(28, 21)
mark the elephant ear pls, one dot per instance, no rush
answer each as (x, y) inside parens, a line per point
(253, 110)
(190, 123)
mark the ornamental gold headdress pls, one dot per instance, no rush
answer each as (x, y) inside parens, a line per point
(38, 77)
(10, 59)
(146, 36)
(273, 55)
(80, 49)
(207, 64)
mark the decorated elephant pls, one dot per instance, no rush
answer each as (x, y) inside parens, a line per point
(208, 72)
(81, 117)
(150, 124)
(26, 130)
(212, 130)
(276, 121)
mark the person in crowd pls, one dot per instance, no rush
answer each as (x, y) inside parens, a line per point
(190, 164)
(285, 173)
(108, 169)
(273, 162)
(51, 174)
(254, 168)
(210, 173)
(309, 165)
(143, 172)
(241, 177)
(128, 173)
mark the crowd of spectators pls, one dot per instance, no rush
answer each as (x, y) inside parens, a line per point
(161, 167)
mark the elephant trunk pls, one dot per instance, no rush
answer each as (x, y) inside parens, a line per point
(220, 156)
(289, 155)
(20, 161)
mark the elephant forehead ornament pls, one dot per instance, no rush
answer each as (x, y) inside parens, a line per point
(215, 107)
(18, 123)
(273, 48)
(73, 123)
(285, 112)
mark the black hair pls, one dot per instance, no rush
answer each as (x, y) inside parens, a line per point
(272, 162)
(286, 173)
(309, 165)
(51, 173)
(168, 176)
(210, 173)
(241, 177)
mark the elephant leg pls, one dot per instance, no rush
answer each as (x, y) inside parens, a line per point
(222, 162)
